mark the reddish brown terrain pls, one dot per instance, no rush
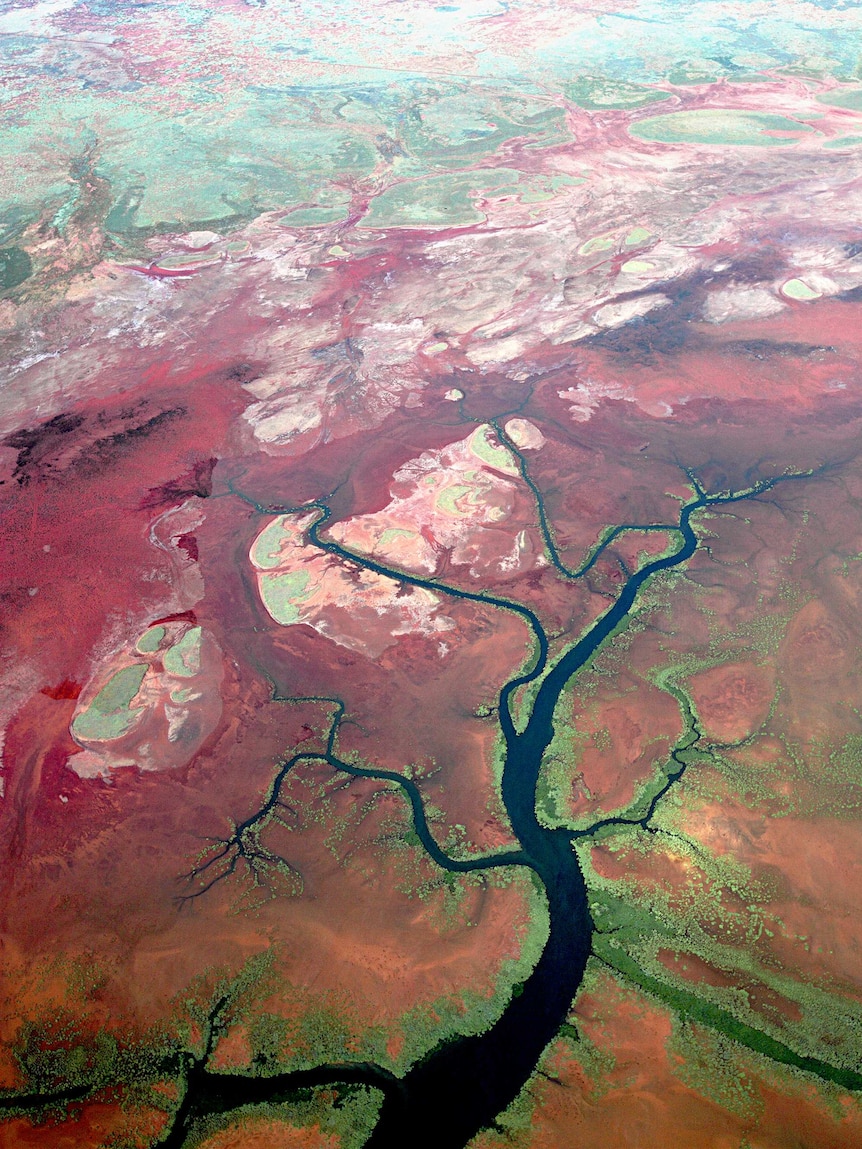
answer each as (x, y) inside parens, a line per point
(430, 486)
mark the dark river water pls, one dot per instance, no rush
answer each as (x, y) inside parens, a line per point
(462, 1085)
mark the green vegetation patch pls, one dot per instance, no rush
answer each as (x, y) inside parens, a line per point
(450, 200)
(708, 71)
(184, 657)
(437, 201)
(799, 289)
(844, 142)
(636, 236)
(539, 189)
(761, 1007)
(190, 262)
(314, 216)
(330, 207)
(392, 533)
(266, 549)
(690, 1006)
(716, 1067)
(347, 1112)
(559, 769)
(282, 593)
(59, 1055)
(597, 94)
(597, 243)
(108, 716)
(460, 123)
(471, 1011)
(494, 454)
(150, 640)
(447, 500)
(727, 126)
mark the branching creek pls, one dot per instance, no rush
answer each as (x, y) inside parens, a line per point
(464, 1083)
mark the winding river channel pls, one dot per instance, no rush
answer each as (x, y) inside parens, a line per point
(462, 1085)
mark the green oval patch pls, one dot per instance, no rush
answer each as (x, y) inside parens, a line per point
(150, 640)
(844, 142)
(109, 715)
(596, 94)
(727, 126)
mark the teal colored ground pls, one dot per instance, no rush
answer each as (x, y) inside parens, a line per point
(260, 150)
(843, 98)
(727, 126)
(304, 113)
